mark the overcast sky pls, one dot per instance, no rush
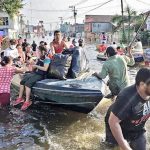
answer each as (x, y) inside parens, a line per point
(46, 10)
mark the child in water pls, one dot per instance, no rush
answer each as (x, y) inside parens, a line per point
(6, 74)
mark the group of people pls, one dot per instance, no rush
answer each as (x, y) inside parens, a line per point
(137, 48)
(126, 117)
(21, 57)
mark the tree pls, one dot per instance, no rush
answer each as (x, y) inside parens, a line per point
(130, 18)
(118, 21)
(12, 7)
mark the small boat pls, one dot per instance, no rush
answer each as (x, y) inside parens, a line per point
(81, 94)
(137, 58)
(101, 57)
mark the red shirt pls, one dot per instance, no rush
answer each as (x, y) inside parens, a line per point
(102, 48)
(59, 47)
(6, 75)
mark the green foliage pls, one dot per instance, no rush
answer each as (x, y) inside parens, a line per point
(130, 18)
(145, 37)
(12, 7)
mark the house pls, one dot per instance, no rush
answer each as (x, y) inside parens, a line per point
(96, 24)
(69, 29)
(9, 26)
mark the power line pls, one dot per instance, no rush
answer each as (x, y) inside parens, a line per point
(143, 2)
(91, 9)
(54, 10)
(89, 6)
(98, 6)
(81, 2)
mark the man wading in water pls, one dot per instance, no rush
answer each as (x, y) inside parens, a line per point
(126, 118)
(116, 68)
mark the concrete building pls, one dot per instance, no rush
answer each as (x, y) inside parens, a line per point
(96, 24)
(70, 29)
(9, 26)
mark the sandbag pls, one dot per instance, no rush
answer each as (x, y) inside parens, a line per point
(79, 62)
(59, 66)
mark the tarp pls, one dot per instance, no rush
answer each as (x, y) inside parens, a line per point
(79, 62)
(59, 66)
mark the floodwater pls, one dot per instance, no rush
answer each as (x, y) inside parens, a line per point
(45, 127)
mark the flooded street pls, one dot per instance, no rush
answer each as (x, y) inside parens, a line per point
(45, 127)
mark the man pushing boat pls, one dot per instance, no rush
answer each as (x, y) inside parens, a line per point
(116, 68)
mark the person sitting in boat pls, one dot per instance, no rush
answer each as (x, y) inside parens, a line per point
(21, 53)
(80, 41)
(120, 51)
(30, 56)
(12, 51)
(6, 74)
(39, 73)
(102, 47)
(57, 46)
(138, 48)
(114, 45)
(116, 68)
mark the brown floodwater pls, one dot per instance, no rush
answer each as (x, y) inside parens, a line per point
(45, 127)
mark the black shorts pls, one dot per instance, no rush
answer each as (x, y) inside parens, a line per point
(30, 79)
(138, 143)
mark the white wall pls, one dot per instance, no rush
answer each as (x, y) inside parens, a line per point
(13, 25)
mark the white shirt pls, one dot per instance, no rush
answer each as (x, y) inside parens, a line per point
(138, 47)
(114, 46)
(11, 53)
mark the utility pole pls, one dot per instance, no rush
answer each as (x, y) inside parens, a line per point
(122, 12)
(61, 23)
(75, 16)
(61, 20)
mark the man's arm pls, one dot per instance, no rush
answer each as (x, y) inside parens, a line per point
(52, 48)
(116, 130)
(103, 73)
(129, 59)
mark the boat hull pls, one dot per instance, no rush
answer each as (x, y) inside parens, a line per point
(75, 99)
(77, 95)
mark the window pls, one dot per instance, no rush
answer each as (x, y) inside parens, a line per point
(4, 21)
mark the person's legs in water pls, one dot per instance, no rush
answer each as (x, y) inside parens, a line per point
(28, 102)
(20, 97)
(21, 91)
(4, 99)
(28, 86)
(139, 144)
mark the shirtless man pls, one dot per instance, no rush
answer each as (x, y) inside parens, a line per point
(57, 46)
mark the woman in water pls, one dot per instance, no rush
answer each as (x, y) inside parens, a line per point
(6, 74)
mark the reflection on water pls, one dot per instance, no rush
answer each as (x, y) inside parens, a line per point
(45, 127)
